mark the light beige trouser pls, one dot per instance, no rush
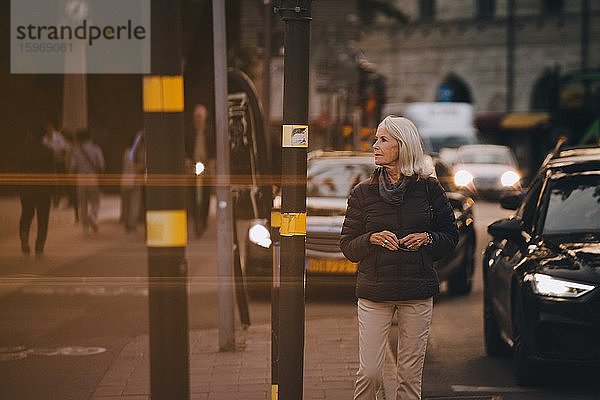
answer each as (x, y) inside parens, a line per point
(374, 321)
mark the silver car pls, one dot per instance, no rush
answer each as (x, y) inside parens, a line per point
(486, 170)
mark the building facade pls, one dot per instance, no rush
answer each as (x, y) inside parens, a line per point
(494, 54)
(333, 55)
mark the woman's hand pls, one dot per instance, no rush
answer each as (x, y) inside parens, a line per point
(414, 241)
(385, 239)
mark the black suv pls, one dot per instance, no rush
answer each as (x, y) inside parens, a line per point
(541, 270)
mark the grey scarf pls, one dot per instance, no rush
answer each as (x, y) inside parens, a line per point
(392, 193)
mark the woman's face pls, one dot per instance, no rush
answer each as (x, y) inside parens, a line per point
(385, 148)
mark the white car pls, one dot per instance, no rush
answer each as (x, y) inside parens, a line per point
(486, 170)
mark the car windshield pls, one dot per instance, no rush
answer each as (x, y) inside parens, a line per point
(485, 157)
(335, 177)
(435, 144)
(573, 206)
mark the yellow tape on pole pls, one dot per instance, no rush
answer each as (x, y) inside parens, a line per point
(293, 224)
(294, 136)
(163, 94)
(166, 228)
(275, 219)
(274, 392)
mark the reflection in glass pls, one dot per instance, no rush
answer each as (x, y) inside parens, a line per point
(574, 206)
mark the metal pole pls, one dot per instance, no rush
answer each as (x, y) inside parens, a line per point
(296, 16)
(166, 235)
(224, 198)
(240, 291)
(585, 34)
(267, 67)
(585, 45)
(276, 245)
(510, 55)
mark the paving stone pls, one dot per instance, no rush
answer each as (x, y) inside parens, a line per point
(330, 364)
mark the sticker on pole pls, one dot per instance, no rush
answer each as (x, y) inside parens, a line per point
(294, 136)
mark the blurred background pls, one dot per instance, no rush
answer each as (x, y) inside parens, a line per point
(538, 58)
(488, 83)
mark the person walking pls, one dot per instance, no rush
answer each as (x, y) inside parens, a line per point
(35, 198)
(396, 223)
(203, 155)
(55, 141)
(87, 161)
(134, 165)
(70, 186)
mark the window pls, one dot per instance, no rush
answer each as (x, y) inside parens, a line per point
(335, 177)
(552, 7)
(427, 10)
(485, 9)
(574, 206)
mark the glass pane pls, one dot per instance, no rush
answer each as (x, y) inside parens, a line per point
(326, 179)
(574, 206)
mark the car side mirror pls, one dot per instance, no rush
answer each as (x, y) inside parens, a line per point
(509, 228)
(512, 200)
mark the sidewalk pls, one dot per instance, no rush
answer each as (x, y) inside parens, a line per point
(330, 364)
(331, 344)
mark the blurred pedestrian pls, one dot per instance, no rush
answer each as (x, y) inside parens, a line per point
(397, 222)
(87, 161)
(134, 165)
(203, 163)
(37, 161)
(70, 186)
(55, 141)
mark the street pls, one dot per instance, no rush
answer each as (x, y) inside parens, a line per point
(67, 316)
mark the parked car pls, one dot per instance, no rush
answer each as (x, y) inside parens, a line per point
(331, 176)
(486, 170)
(541, 269)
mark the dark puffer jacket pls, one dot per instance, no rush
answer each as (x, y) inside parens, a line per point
(385, 275)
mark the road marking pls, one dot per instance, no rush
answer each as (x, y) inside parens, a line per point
(80, 351)
(19, 352)
(98, 286)
(13, 353)
(489, 389)
(88, 291)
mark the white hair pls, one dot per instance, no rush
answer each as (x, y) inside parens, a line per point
(411, 157)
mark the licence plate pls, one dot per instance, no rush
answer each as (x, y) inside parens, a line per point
(331, 266)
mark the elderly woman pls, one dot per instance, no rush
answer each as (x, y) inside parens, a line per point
(397, 222)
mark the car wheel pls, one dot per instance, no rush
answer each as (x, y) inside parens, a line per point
(462, 282)
(525, 370)
(494, 344)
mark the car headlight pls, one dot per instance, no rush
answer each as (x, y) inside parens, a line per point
(259, 234)
(463, 178)
(546, 285)
(509, 178)
(199, 168)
